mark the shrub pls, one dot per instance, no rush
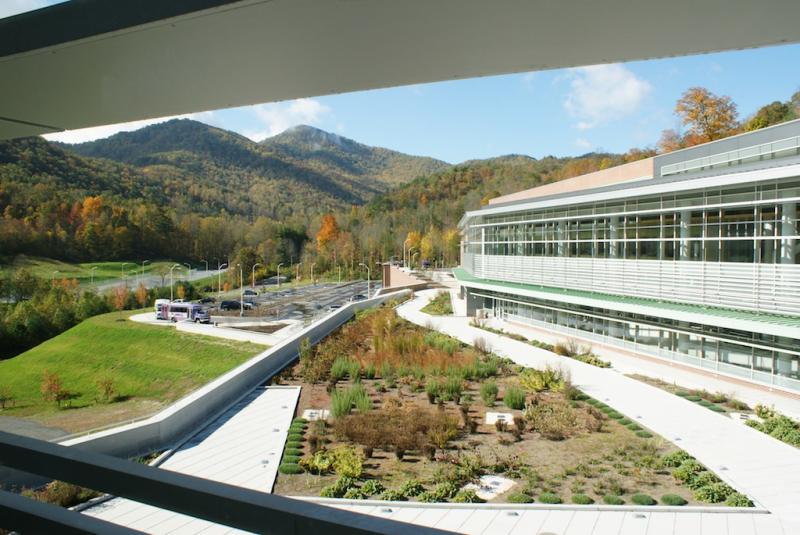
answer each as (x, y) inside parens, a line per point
(644, 434)
(372, 487)
(411, 488)
(688, 470)
(392, 496)
(738, 405)
(549, 497)
(777, 426)
(642, 499)
(290, 468)
(61, 493)
(717, 408)
(549, 378)
(582, 499)
(683, 394)
(675, 459)
(489, 392)
(702, 479)
(432, 389)
(347, 461)
(672, 499)
(693, 397)
(338, 488)
(292, 437)
(614, 415)
(613, 500)
(370, 371)
(467, 496)
(452, 389)
(519, 497)
(440, 493)
(634, 427)
(514, 398)
(736, 499)
(625, 421)
(556, 420)
(295, 444)
(293, 451)
(354, 493)
(291, 459)
(713, 493)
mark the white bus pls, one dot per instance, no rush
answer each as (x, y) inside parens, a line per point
(175, 312)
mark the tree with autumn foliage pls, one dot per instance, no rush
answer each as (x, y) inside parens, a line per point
(708, 117)
(328, 233)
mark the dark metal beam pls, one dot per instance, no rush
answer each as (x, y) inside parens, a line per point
(200, 498)
(79, 19)
(29, 516)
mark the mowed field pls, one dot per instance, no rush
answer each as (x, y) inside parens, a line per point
(149, 367)
(45, 268)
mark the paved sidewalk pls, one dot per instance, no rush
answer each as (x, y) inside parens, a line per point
(763, 468)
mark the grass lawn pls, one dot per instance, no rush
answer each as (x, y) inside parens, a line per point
(149, 366)
(44, 268)
(439, 305)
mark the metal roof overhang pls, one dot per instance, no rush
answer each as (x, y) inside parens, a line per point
(93, 62)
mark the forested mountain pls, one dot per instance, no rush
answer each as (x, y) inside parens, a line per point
(302, 172)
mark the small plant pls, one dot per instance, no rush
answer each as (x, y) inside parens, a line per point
(643, 499)
(290, 468)
(293, 452)
(105, 387)
(295, 437)
(61, 493)
(432, 390)
(339, 488)
(610, 499)
(467, 496)
(392, 496)
(355, 493)
(489, 392)
(672, 499)
(452, 389)
(688, 470)
(675, 459)
(736, 499)
(411, 488)
(713, 493)
(534, 380)
(644, 434)
(500, 425)
(582, 499)
(519, 497)
(549, 497)
(6, 397)
(482, 346)
(514, 398)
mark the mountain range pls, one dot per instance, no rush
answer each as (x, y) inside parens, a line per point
(302, 171)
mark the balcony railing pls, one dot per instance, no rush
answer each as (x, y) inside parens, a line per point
(232, 506)
(774, 149)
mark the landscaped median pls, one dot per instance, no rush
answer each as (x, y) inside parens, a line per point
(416, 415)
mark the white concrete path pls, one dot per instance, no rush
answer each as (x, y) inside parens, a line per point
(763, 468)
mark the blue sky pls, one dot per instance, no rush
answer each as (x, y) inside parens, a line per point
(562, 112)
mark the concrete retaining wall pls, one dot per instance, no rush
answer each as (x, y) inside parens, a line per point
(231, 333)
(186, 416)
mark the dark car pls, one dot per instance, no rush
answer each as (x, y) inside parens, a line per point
(250, 292)
(207, 300)
(229, 305)
(358, 297)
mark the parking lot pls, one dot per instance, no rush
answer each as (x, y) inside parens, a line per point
(299, 303)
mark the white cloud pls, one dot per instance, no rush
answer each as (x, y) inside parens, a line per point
(277, 117)
(602, 93)
(583, 143)
(98, 132)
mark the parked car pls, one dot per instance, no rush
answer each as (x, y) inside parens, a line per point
(229, 305)
(357, 297)
(207, 300)
(250, 292)
(334, 307)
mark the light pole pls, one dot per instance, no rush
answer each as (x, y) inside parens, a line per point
(241, 291)
(254, 272)
(404, 251)
(312, 272)
(297, 273)
(279, 275)
(340, 273)
(410, 264)
(143, 263)
(171, 281)
(219, 278)
(190, 270)
(53, 277)
(368, 277)
(412, 259)
(206, 261)
(123, 274)
(91, 276)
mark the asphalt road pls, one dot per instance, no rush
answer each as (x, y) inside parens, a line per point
(151, 281)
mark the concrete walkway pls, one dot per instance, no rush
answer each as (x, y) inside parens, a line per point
(767, 470)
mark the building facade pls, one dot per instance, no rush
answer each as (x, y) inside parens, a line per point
(690, 256)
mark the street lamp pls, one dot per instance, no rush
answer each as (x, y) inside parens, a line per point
(53, 277)
(143, 263)
(312, 272)
(171, 281)
(254, 272)
(404, 251)
(190, 270)
(297, 273)
(368, 277)
(241, 291)
(206, 261)
(219, 278)
(412, 259)
(123, 274)
(91, 276)
(279, 275)
(340, 273)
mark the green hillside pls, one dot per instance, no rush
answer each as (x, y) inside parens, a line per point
(145, 363)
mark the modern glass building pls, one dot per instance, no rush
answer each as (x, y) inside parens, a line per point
(690, 256)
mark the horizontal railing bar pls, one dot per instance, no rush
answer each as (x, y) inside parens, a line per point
(217, 502)
(30, 516)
